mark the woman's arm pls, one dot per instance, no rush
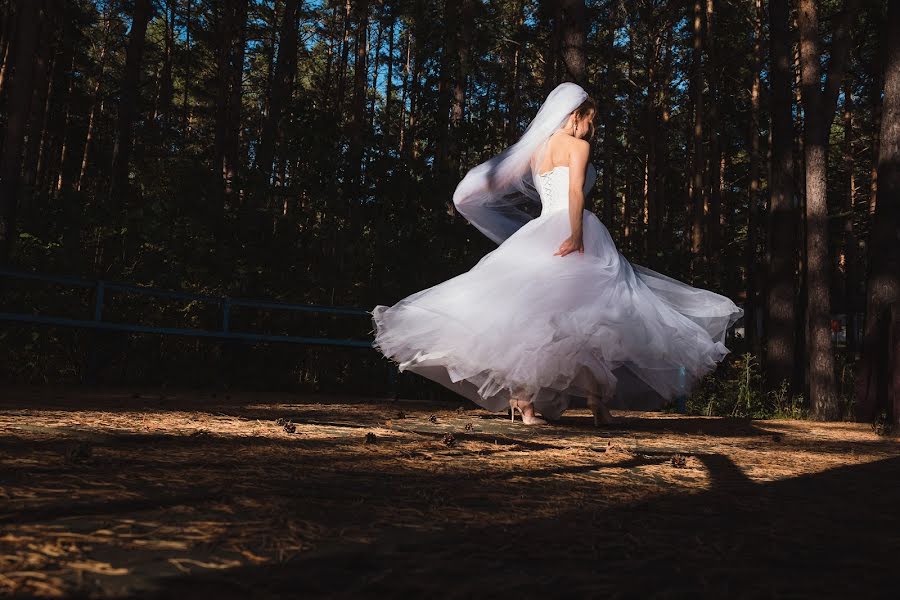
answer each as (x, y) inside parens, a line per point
(578, 159)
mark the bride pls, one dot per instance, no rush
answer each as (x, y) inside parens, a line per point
(555, 311)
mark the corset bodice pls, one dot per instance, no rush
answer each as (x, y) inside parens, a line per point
(554, 187)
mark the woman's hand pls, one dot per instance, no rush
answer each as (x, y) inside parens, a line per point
(571, 244)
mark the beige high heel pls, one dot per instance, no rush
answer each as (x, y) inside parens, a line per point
(532, 419)
(600, 412)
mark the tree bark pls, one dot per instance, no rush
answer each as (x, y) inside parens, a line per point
(376, 67)
(651, 126)
(96, 106)
(415, 86)
(230, 68)
(404, 94)
(519, 39)
(883, 282)
(460, 84)
(225, 32)
(232, 155)
(282, 83)
(849, 254)
(129, 99)
(876, 86)
(360, 92)
(782, 251)
(185, 102)
(389, 84)
(7, 44)
(754, 282)
(713, 225)
(819, 106)
(445, 88)
(573, 36)
(609, 132)
(552, 13)
(43, 86)
(696, 84)
(18, 109)
(163, 105)
(342, 68)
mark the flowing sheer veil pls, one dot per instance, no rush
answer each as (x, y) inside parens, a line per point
(492, 194)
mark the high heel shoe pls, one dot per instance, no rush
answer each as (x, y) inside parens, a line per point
(600, 412)
(529, 419)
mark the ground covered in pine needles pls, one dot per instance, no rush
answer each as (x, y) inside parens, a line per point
(123, 493)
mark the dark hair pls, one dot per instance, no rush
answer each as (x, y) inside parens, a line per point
(583, 110)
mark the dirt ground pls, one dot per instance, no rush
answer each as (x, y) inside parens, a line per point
(138, 493)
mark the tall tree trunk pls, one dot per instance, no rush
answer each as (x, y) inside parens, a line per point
(552, 12)
(713, 225)
(415, 86)
(573, 37)
(185, 101)
(664, 225)
(7, 43)
(696, 84)
(18, 108)
(688, 208)
(163, 105)
(376, 68)
(63, 67)
(650, 123)
(404, 93)
(608, 117)
(389, 84)
(64, 135)
(445, 89)
(360, 92)
(782, 251)
(875, 90)
(282, 82)
(129, 100)
(342, 68)
(883, 283)
(628, 152)
(40, 103)
(224, 15)
(818, 111)
(519, 39)
(849, 254)
(754, 281)
(232, 142)
(229, 66)
(96, 107)
(460, 83)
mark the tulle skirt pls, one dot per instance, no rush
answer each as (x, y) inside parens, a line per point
(523, 321)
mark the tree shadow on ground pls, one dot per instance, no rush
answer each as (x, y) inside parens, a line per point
(834, 534)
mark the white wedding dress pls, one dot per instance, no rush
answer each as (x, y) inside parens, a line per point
(554, 327)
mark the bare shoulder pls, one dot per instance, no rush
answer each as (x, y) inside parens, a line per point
(580, 146)
(579, 150)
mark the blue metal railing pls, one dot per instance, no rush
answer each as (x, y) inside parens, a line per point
(103, 288)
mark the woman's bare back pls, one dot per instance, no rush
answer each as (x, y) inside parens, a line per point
(559, 148)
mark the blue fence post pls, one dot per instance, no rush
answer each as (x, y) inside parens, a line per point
(93, 358)
(98, 301)
(227, 345)
(226, 315)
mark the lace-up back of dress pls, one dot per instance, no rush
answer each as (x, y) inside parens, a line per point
(554, 187)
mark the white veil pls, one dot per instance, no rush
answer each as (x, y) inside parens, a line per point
(491, 196)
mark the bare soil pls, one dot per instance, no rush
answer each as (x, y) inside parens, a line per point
(140, 493)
